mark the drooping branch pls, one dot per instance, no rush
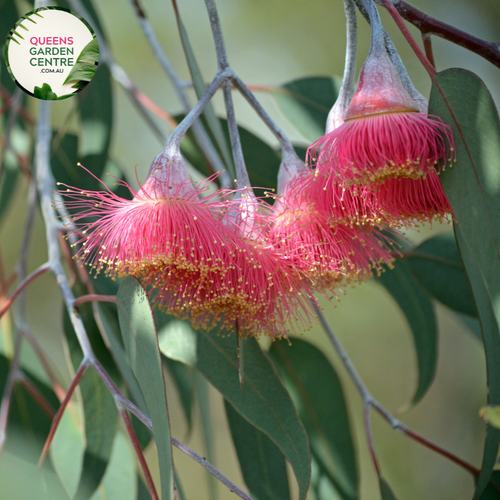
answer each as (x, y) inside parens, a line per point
(370, 402)
(429, 25)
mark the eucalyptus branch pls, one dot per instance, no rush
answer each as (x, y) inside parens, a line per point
(174, 141)
(226, 70)
(429, 25)
(25, 282)
(346, 93)
(117, 72)
(220, 46)
(264, 116)
(239, 160)
(205, 463)
(179, 86)
(370, 402)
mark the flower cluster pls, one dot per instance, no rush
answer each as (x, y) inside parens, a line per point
(230, 260)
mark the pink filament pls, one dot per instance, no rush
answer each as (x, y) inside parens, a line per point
(197, 267)
(374, 148)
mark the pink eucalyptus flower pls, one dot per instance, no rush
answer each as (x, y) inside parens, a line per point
(385, 138)
(323, 232)
(198, 267)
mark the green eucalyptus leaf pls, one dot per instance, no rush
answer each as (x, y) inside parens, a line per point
(101, 415)
(120, 480)
(491, 340)
(473, 189)
(182, 375)
(419, 311)
(8, 19)
(141, 345)
(264, 402)
(96, 116)
(27, 431)
(492, 490)
(385, 490)
(317, 392)
(306, 102)
(262, 464)
(437, 266)
(8, 182)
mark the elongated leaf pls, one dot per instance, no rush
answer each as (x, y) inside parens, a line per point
(8, 182)
(109, 322)
(437, 266)
(306, 102)
(200, 88)
(264, 402)
(473, 188)
(317, 393)
(99, 407)
(7, 20)
(262, 464)
(492, 490)
(385, 490)
(27, 429)
(419, 312)
(96, 115)
(141, 345)
(182, 375)
(203, 400)
(120, 481)
(491, 340)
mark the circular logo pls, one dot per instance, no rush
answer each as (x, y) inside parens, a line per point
(51, 53)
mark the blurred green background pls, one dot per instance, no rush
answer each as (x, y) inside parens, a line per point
(271, 42)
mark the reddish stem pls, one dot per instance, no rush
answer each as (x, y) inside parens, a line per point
(397, 425)
(140, 455)
(369, 437)
(148, 103)
(26, 281)
(409, 38)
(93, 297)
(426, 38)
(81, 370)
(434, 447)
(5, 95)
(8, 391)
(36, 395)
(427, 24)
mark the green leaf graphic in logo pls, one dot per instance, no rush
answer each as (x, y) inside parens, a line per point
(45, 92)
(86, 65)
